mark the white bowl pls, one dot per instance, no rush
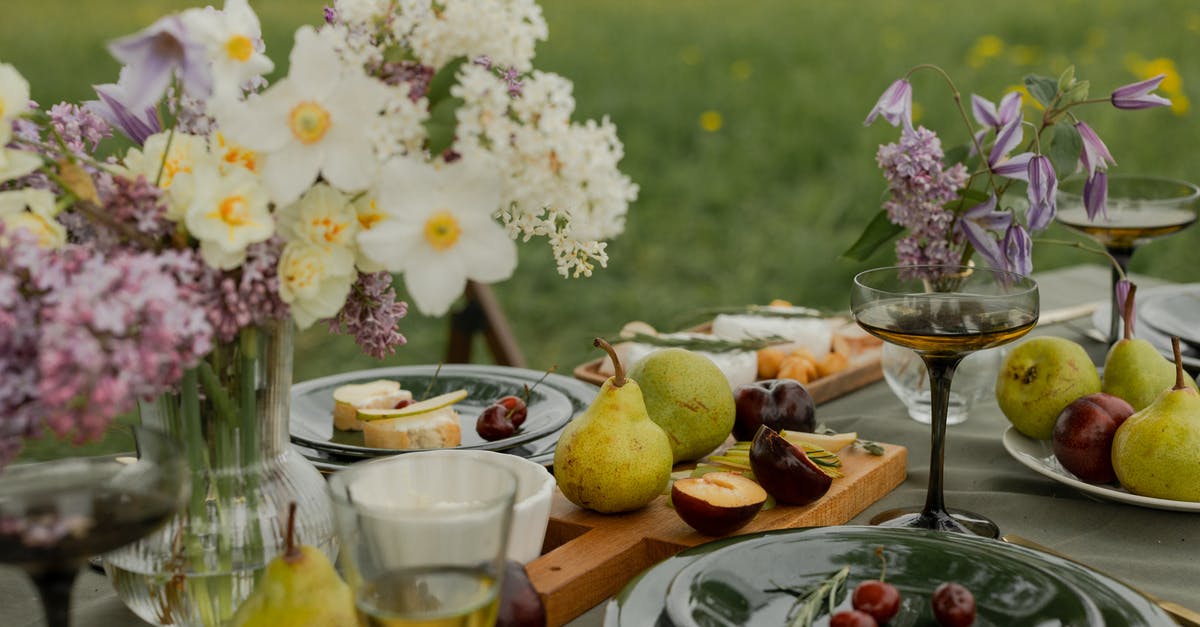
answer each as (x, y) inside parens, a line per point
(531, 506)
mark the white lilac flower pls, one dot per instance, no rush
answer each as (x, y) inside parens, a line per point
(439, 230)
(157, 53)
(14, 99)
(506, 31)
(312, 122)
(401, 129)
(324, 218)
(184, 155)
(32, 210)
(228, 212)
(308, 284)
(233, 39)
(482, 122)
(359, 12)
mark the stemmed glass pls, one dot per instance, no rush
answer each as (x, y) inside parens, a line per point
(1140, 208)
(943, 313)
(56, 514)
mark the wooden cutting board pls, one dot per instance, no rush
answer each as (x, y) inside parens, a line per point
(588, 557)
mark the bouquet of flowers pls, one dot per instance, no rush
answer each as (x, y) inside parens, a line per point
(410, 138)
(950, 204)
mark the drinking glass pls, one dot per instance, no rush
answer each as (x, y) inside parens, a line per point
(54, 515)
(423, 538)
(1140, 208)
(944, 313)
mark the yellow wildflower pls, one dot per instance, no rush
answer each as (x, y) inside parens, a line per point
(986, 48)
(711, 121)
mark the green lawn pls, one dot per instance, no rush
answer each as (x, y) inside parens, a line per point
(761, 207)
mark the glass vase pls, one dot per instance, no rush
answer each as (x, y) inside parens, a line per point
(231, 417)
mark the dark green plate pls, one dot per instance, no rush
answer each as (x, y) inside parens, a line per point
(312, 405)
(725, 583)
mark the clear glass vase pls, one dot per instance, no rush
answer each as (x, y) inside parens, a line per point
(974, 381)
(231, 416)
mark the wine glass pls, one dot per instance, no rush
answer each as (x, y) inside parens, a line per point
(943, 313)
(1140, 208)
(56, 514)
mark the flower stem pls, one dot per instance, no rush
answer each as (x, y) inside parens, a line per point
(1096, 251)
(962, 112)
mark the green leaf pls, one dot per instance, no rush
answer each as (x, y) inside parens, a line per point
(967, 198)
(440, 84)
(1067, 78)
(880, 231)
(1042, 88)
(1065, 149)
(440, 126)
(396, 53)
(957, 154)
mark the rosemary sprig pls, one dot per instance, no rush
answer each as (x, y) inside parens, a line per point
(808, 605)
(711, 344)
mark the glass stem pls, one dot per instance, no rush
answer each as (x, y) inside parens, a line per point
(1122, 257)
(941, 371)
(54, 587)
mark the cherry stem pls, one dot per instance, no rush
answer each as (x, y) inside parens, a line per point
(883, 560)
(428, 388)
(619, 374)
(1180, 381)
(291, 553)
(1129, 311)
(529, 390)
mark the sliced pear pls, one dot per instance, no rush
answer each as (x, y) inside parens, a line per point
(422, 407)
(832, 442)
(348, 399)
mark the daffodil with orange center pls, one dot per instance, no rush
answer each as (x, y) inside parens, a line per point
(323, 217)
(228, 213)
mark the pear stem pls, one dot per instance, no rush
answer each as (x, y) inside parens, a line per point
(291, 553)
(1180, 381)
(619, 374)
(1129, 311)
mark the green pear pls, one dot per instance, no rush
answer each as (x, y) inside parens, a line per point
(1133, 369)
(298, 589)
(1156, 451)
(689, 397)
(1039, 378)
(612, 457)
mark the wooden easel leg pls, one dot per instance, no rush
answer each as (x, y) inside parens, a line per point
(482, 312)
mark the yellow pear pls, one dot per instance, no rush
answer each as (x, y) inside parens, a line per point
(612, 457)
(1133, 368)
(298, 589)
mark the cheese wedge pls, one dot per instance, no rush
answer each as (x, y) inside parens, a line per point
(430, 429)
(350, 398)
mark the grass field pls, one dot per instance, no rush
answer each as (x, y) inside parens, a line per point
(742, 124)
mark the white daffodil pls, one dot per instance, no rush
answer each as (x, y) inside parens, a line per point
(228, 212)
(369, 214)
(439, 230)
(17, 163)
(233, 39)
(186, 154)
(323, 217)
(14, 99)
(231, 155)
(313, 122)
(308, 284)
(32, 210)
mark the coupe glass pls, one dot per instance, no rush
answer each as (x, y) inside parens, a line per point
(944, 313)
(1140, 208)
(56, 514)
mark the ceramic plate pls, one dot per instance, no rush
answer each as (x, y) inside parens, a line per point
(1039, 457)
(736, 582)
(1146, 329)
(540, 450)
(1174, 312)
(312, 406)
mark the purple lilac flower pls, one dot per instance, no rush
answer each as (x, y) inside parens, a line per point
(416, 75)
(154, 54)
(982, 226)
(1095, 195)
(1018, 250)
(20, 413)
(895, 105)
(330, 15)
(136, 202)
(371, 314)
(1095, 154)
(116, 107)
(919, 186)
(1042, 191)
(245, 296)
(80, 128)
(1138, 96)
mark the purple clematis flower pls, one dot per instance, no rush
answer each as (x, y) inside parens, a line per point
(1095, 154)
(895, 105)
(1042, 189)
(992, 117)
(1095, 195)
(981, 224)
(1123, 288)
(1018, 250)
(1007, 138)
(157, 51)
(1138, 96)
(112, 107)
(1015, 167)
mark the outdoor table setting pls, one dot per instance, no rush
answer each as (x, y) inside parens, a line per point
(929, 430)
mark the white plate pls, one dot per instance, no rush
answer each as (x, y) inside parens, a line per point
(1175, 312)
(1160, 340)
(1039, 457)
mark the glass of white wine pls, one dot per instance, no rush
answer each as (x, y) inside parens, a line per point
(424, 538)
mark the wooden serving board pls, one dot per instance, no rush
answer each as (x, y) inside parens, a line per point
(588, 557)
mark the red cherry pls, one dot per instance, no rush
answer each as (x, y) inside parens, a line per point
(953, 605)
(880, 600)
(493, 423)
(852, 618)
(517, 410)
(403, 403)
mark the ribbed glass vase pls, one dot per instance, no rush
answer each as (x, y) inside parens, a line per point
(231, 416)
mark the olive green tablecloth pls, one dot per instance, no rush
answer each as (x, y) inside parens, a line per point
(1158, 551)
